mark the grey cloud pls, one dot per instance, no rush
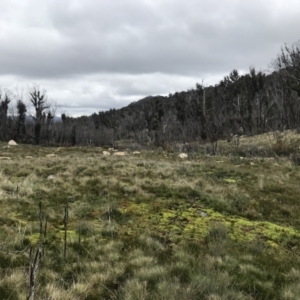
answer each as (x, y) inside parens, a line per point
(133, 37)
(93, 93)
(105, 54)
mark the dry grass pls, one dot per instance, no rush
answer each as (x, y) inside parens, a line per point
(154, 226)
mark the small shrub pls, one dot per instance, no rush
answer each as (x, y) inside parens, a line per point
(282, 148)
(85, 228)
(295, 158)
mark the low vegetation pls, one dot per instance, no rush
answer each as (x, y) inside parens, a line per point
(153, 226)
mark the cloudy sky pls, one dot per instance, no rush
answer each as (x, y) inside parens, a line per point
(94, 55)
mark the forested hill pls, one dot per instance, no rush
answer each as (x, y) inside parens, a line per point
(250, 103)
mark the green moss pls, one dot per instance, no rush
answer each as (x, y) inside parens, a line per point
(193, 225)
(34, 238)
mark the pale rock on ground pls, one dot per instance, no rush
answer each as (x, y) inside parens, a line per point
(5, 158)
(29, 157)
(12, 143)
(203, 214)
(51, 155)
(51, 177)
(136, 153)
(106, 153)
(183, 155)
(119, 153)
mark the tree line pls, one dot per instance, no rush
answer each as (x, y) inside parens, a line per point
(251, 103)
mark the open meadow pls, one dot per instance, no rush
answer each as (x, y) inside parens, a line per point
(152, 226)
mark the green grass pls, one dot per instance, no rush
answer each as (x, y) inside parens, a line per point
(153, 226)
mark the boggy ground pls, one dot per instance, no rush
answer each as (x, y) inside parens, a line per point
(151, 226)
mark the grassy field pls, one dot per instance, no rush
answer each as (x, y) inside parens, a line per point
(153, 226)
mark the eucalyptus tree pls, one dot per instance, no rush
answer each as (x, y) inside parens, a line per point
(4, 101)
(38, 99)
(287, 64)
(287, 87)
(20, 131)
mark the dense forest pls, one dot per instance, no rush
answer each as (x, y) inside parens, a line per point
(251, 103)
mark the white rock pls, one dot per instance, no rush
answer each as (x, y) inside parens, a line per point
(183, 155)
(106, 153)
(51, 155)
(120, 153)
(12, 143)
(5, 158)
(50, 177)
(136, 153)
(203, 214)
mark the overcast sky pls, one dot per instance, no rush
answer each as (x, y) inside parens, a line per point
(94, 55)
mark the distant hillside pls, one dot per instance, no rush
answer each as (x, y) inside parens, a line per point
(247, 104)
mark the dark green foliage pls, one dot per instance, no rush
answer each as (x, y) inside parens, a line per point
(4, 101)
(37, 132)
(20, 126)
(8, 292)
